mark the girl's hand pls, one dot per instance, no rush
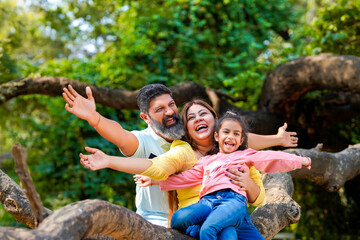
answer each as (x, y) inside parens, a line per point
(95, 161)
(144, 181)
(306, 162)
(287, 139)
(240, 177)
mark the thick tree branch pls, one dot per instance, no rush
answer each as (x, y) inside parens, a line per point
(114, 98)
(15, 201)
(329, 170)
(121, 99)
(280, 209)
(53, 86)
(89, 217)
(288, 82)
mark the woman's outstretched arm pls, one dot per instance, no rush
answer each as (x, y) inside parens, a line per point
(282, 138)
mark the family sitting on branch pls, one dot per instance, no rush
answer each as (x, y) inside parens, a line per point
(212, 164)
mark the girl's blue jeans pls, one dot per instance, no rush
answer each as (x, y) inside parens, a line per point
(215, 212)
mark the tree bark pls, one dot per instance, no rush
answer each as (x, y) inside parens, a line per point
(22, 171)
(86, 218)
(279, 209)
(114, 98)
(329, 170)
(15, 201)
(288, 82)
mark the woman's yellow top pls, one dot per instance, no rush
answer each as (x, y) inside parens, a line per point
(181, 157)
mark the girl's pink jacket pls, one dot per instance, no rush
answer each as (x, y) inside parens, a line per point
(210, 170)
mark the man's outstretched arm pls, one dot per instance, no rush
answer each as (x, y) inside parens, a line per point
(85, 108)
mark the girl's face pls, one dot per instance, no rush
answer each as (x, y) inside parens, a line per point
(229, 136)
(200, 123)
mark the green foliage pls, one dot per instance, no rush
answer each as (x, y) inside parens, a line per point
(337, 29)
(202, 41)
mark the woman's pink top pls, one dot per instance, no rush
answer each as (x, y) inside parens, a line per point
(210, 170)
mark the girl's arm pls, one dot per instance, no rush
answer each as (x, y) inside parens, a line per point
(144, 181)
(276, 161)
(282, 138)
(99, 160)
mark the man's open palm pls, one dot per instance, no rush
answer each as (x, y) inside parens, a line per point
(83, 108)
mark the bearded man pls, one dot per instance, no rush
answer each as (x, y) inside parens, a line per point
(159, 111)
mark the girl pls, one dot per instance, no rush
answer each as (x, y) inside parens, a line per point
(219, 199)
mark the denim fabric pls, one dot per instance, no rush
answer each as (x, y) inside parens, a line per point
(247, 230)
(220, 210)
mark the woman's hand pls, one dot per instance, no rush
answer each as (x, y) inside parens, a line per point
(95, 161)
(144, 181)
(241, 178)
(287, 139)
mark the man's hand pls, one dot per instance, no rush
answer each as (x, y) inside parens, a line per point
(95, 161)
(287, 139)
(83, 108)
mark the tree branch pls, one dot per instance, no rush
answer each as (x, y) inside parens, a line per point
(280, 209)
(329, 170)
(288, 82)
(22, 171)
(15, 201)
(114, 98)
(89, 217)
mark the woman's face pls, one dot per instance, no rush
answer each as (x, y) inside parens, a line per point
(200, 123)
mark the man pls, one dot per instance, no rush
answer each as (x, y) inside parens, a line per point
(159, 111)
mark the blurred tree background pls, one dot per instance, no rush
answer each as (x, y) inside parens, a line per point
(223, 44)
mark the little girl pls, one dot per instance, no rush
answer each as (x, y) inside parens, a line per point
(222, 205)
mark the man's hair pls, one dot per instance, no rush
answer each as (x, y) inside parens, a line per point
(148, 93)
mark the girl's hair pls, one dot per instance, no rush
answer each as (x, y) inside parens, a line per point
(232, 115)
(184, 113)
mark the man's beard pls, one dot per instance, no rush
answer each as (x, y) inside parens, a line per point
(172, 132)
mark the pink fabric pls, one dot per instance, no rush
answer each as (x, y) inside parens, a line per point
(210, 170)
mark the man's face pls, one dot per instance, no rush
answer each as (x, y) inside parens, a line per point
(164, 117)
